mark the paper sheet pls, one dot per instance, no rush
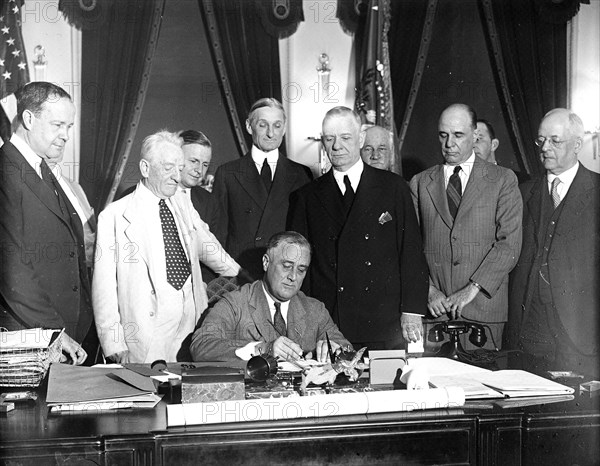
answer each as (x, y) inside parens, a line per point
(314, 406)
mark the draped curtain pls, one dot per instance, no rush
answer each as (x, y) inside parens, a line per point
(118, 43)
(246, 59)
(528, 50)
(409, 38)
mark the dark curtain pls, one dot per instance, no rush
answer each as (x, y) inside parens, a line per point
(118, 43)
(529, 56)
(246, 58)
(409, 37)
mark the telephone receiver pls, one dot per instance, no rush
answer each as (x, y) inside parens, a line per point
(454, 328)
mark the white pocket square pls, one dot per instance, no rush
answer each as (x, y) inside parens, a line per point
(384, 217)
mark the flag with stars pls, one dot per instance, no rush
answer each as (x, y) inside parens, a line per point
(14, 71)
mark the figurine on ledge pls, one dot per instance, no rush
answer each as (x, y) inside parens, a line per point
(270, 316)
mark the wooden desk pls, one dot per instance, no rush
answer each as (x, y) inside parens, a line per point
(478, 434)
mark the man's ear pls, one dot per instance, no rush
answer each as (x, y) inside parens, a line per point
(578, 145)
(361, 139)
(27, 119)
(265, 261)
(248, 127)
(495, 144)
(144, 168)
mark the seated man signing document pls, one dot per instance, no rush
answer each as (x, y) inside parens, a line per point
(270, 315)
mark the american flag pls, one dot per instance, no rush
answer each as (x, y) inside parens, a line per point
(14, 71)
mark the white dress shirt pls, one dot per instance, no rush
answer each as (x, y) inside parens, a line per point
(36, 163)
(566, 179)
(258, 156)
(465, 172)
(354, 173)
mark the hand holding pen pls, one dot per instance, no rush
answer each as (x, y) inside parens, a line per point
(285, 348)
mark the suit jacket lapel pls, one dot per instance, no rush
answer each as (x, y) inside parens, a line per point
(31, 179)
(330, 197)
(473, 188)
(296, 322)
(283, 179)
(250, 180)
(259, 311)
(437, 192)
(368, 190)
(136, 230)
(534, 204)
(576, 200)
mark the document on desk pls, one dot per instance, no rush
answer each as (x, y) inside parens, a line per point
(76, 387)
(482, 383)
(517, 383)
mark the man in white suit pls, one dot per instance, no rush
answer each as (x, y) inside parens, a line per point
(147, 288)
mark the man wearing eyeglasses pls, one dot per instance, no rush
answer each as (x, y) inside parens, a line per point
(270, 316)
(555, 295)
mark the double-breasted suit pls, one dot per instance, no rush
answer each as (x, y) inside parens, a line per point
(243, 316)
(482, 244)
(573, 261)
(367, 267)
(251, 214)
(44, 280)
(130, 290)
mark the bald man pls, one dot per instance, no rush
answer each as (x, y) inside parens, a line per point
(554, 288)
(470, 215)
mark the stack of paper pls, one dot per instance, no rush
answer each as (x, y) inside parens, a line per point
(77, 388)
(483, 383)
(516, 383)
(25, 355)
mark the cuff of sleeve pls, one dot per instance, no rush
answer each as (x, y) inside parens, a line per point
(246, 352)
(412, 314)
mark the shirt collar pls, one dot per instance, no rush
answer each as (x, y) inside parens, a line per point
(566, 177)
(284, 304)
(27, 152)
(147, 196)
(259, 156)
(354, 173)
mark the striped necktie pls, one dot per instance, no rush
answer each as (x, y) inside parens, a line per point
(554, 192)
(454, 191)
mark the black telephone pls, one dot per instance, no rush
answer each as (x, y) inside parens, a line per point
(453, 348)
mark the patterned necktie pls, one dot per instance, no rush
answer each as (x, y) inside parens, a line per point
(554, 192)
(348, 195)
(266, 174)
(178, 267)
(454, 191)
(278, 321)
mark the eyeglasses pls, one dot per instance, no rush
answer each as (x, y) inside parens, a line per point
(554, 141)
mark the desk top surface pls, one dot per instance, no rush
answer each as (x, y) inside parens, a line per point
(31, 421)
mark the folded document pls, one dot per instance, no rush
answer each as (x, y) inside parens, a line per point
(77, 388)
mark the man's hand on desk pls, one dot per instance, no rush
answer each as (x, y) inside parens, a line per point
(120, 358)
(73, 350)
(412, 327)
(437, 302)
(461, 298)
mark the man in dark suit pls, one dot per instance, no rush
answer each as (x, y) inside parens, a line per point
(270, 316)
(555, 297)
(44, 280)
(368, 265)
(470, 215)
(197, 152)
(254, 190)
